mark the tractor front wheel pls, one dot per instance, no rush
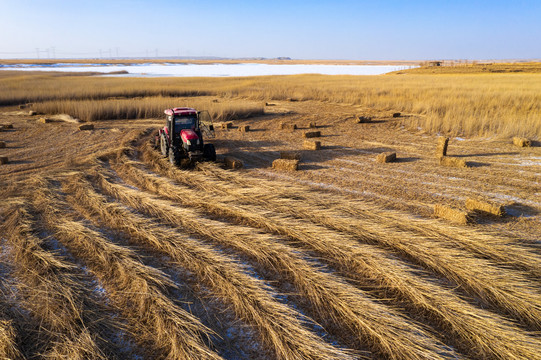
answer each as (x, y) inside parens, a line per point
(163, 146)
(209, 152)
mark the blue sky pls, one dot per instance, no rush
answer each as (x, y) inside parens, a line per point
(357, 30)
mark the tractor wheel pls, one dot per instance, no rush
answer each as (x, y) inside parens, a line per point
(209, 152)
(163, 146)
(173, 158)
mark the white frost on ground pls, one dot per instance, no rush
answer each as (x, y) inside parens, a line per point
(210, 70)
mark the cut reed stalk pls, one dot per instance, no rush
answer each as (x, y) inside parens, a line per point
(279, 326)
(506, 290)
(51, 292)
(327, 294)
(485, 332)
(8, 343)
(174, 332)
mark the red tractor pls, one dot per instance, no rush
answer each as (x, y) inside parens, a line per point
(181, 139)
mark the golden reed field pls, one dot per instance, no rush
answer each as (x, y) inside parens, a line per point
(107, 251)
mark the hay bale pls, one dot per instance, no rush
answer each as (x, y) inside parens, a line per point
(215, 100)
(312, 125)
(22, 106)
(522, 142)
(287, 126)
(290, 155)
(386, 157)
(269, 104)
(453, 215)
(311, 145)
(86, 127)
(441, 148)
(292, 99)
(45, 120)
(397, 114)
(226, 125)
(285, 164)
(233, 163)
(7, 126)
(4, 160)
(451, 161)
(363, 119)
(2, 145)
(244, 128)
(312, 134)
(484, 206)
(32, 113)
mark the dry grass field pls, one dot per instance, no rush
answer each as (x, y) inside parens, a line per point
(108, 252)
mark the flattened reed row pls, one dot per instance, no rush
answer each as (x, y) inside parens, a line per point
(174, 332)
(484, 332)
(8, 345)
(52, 293)
(486, 245)
(507, 290)
(278, 325)
(9, 333)
(383, 329)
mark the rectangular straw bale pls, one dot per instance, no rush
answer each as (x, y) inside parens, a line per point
(485, 207)
(227, 125)
(32, 113)
(312, 125)
(286, 165)
(86, 127)
(453, 215)
(233, 163)
(311, 145)
(397, 114)
(441, 148)
(4, 160)
(363, 119)
(7, 126)
(288, 126)
(451, 161)
(290, 155)
(386, 157)
(244, 128)
(312, 134)
(45, 120)
(522, 142)
(2, 145)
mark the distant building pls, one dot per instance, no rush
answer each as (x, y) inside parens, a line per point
(435, 63)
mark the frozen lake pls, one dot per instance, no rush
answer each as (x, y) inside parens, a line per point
(211, 70)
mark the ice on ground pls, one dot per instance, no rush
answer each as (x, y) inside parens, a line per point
(210, 70)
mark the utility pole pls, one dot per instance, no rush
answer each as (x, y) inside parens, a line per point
(54, 53)
(110, 54)
(48, 56)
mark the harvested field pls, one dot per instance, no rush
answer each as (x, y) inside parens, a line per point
(107, 251)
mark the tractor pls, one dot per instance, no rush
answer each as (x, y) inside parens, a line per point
(181, 139)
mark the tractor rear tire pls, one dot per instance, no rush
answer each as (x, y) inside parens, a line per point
(209, 152)
(173, 159)
(163, 146)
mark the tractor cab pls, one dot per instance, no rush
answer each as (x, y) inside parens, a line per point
(181, 138)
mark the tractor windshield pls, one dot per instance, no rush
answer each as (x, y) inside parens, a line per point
(185, 122)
